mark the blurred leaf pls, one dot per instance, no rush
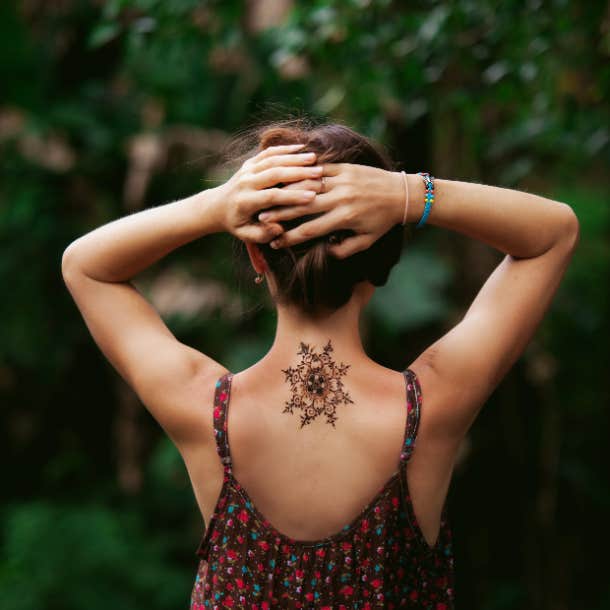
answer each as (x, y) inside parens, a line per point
(103, 33)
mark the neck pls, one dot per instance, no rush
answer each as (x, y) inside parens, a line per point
(341, 329)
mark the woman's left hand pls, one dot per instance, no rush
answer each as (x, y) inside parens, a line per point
(363, 199)
(254, 188)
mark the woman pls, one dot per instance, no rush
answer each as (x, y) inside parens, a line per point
(313, 490)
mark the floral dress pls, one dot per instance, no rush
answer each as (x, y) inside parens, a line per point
(379, 560)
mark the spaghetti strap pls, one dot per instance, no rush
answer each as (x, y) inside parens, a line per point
(413, 392)
(221, 409)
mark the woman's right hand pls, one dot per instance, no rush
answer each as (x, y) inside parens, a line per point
(368, 200)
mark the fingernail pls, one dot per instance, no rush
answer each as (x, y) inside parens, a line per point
(274, 244)
(317, 169)
(309, 195)
(264, 215)
(296, 145)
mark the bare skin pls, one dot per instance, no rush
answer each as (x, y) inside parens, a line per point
(309, 464)
(315, 385)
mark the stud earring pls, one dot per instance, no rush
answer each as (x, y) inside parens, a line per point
(259, 278)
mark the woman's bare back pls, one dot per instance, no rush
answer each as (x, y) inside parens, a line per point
(310, 481)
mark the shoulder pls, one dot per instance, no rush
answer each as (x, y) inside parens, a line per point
(181, 399)
(437, 448)
(434, 398)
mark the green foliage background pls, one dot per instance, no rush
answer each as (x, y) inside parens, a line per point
(109, 107)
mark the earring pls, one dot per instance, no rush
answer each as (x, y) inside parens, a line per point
(259, 278)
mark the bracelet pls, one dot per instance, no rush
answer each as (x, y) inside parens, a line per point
(404, 220)
(429, 182)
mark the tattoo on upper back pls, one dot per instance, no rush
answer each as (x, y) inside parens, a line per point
(316, 386)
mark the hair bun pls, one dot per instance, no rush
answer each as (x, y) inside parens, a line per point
(307, 274)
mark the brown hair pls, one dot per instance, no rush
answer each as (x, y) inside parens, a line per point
(308, 275)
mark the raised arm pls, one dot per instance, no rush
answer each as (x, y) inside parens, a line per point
(167, 375)
(538, 236)
(459, 371)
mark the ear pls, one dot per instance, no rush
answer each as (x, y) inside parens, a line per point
(256, 257)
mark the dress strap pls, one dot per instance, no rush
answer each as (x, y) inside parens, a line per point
(221, 408)
(413, 392)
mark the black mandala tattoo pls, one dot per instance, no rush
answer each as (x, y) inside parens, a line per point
(316, 385)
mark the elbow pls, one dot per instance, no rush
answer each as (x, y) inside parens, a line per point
(570, 228)
(68, 264)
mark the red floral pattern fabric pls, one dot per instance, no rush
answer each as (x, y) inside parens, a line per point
(379, 560)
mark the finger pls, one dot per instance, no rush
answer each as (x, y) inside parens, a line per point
(351, 245)
(260, 233)
(292, 159)
(318, 203)
(275, 175)
(280, 149)
(268, 198)
(271, 151)
(310, 184)
(334, 169)
(326, 223)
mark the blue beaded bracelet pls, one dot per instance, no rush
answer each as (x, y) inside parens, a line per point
(429, 182)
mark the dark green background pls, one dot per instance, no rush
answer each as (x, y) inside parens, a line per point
(110, 107)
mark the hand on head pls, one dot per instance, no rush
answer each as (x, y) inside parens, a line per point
(284, 183)
(364, 199)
